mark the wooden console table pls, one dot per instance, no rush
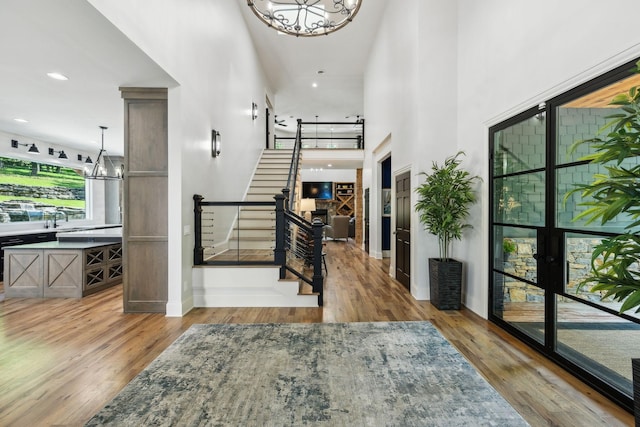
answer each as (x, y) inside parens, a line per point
(61, 269)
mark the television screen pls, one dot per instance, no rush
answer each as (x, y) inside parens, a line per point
(317, 190)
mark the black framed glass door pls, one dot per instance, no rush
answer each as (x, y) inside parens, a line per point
(518, 222)
(540, 253)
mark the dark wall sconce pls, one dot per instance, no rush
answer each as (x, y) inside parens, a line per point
(254, 111)
(87, 159)
(61, 153)
(215, 143)
(32, 149)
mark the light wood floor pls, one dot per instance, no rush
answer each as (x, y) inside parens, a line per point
(61, 360)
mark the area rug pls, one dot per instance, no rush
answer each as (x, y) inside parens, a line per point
(328, 374)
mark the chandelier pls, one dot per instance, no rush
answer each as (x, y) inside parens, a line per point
(305, 17)
(100, 170)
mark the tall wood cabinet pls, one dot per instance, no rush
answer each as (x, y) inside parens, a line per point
(145, 197)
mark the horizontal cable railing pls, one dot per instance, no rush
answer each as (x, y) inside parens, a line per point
(226, 234)
(324, 135)
(304, 251)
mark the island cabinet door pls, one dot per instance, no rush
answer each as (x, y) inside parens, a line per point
(23, 273)
(63, 273)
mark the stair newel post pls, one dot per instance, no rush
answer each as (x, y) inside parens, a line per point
(280, 252)
(285, 194)
(198, 250)
(318, 278)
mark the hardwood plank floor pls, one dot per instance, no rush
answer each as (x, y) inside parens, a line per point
(61, 360)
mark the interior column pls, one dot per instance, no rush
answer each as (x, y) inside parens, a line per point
(145, 197)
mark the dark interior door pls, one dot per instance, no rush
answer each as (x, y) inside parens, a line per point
(403, 229)
(366, 220)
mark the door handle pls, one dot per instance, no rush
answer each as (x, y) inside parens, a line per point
(546, 258)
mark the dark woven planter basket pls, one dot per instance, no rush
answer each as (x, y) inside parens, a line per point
(445, 283)
(635, 363)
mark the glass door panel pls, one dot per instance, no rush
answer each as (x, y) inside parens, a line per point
(518, 299)
(519, 199)
(520, 304)
(568, 207)
(601, 343)
(520, 147)
(518, 192)
(578, 249)
(513, 254)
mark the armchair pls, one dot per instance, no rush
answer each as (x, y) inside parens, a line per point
(338, 227)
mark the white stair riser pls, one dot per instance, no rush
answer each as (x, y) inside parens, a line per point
(270, 167)
(258, 223)
(257, 214)
(270, 177)
(264, 190)
(259, 208)
(246, 287)
(252, 233)
(279, 160)
(259, 198)
(251, 244)
(277, 184)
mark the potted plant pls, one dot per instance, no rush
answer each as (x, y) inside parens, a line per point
(509, 247)
(614, 262)
(443, 204)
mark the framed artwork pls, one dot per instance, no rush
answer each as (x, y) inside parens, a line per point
(386, 202)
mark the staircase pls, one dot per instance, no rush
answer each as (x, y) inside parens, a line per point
(255, 286)
(255, 227)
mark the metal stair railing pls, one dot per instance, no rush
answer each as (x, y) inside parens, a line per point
(298, 244)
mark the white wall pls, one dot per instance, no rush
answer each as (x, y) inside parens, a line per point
(410, 95)
(206, 48)
(438, 78)
(333, 175)
(512, 56)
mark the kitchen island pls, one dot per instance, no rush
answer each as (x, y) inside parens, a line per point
(61, 269)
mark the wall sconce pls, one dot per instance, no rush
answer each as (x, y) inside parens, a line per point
(32, 149)
(254, 111)
(88, 159)
(62, 154)
(215, 143)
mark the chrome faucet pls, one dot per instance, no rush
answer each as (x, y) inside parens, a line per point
(54, 222)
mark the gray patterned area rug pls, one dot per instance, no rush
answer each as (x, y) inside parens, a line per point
(323, 374)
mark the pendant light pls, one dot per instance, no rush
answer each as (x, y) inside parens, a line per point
(99, 170)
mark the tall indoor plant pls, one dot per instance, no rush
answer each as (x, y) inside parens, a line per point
(614, 262)
(444, 199)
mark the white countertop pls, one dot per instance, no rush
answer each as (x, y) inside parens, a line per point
(58, 245)
(103, 232)
(63, 229)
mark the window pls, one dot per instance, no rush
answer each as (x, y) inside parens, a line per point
(31, 191)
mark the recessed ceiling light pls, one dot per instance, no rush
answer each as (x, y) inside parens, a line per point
(57, 76)
(314, 84)
(19, 120)
(329, 165)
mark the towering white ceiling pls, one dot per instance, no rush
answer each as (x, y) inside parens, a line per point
(293, 65)
(69, 37)
(72, 38)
